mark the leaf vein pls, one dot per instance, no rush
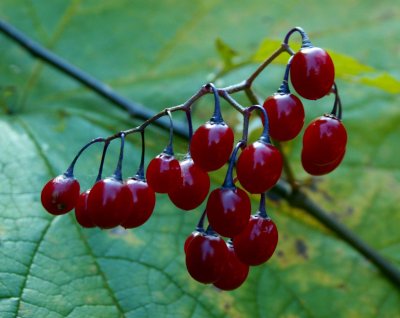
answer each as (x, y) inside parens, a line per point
(100, 271)
(170, 277)
(30, 263)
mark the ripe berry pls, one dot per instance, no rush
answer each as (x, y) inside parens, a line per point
(228, 211)
(205, 258)
(319, 170)
(259, 167)
(190, 238)
(109, 203)
(324, 140)
(60, 194)
(312, 72)
(143, 201)
(234, 274)
(285, 114)
(82, 213)
(192, 188)
(163, 173)
(211, 145)
(256, 244)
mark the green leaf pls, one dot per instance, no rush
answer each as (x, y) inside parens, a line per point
(159, 54)
(226, 53)
(265, 49)
(383, 81)
(350, 69)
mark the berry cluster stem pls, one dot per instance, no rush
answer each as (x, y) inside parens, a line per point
(140, 172)
(200, 224)
(228, 182)
(337, 106)
(262, 210)
(118, 170)
(103, 156)
(70, 171)
(170, 148)
(217, 116)
(304, 37)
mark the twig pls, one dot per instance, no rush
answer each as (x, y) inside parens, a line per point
(84, 78)
(300, 200)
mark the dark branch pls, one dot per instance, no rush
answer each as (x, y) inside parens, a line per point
(40, 52)
(300, 200)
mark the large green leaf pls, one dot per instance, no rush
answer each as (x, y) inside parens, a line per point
(158, 53)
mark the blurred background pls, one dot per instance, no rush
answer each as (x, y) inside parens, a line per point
(158, 53)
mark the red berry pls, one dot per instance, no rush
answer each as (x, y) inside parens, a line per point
(143, 199)
(189, 239)
(82, 213)
(109, 203)
(211, 145)
(60, 194)
(228, 211)
(259, 167)
(319, 170)
(234, 274)
(163, 173)
(256, 244)
(193, 186)
(285, 115)
(324, 140)
(312, 72)
(205, 258)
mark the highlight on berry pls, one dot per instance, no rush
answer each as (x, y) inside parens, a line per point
(230, 236)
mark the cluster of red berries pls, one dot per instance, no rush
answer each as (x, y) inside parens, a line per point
(252, 239)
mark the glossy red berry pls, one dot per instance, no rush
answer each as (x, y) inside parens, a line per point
(163, 173)
(189, 239)
(256, 244)
(143, 202)
(205, 258)
(285, 115)
(60, 194)
(234, 273)
(319, 170)
(211, 145)
(228, 211)
(193, 186)
(82, 213)
(312, 72)
(259, 167)
(109, 203)
(324, 140)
